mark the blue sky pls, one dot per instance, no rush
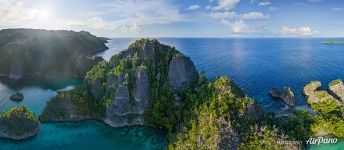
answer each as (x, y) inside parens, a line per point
(180, 18)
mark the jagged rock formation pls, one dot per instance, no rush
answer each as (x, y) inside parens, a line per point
(181, 73)
(336, 87)
(286, 95)
(125, 83)
(32, 52)
(321, 100)
(314, 94)
(18, 123)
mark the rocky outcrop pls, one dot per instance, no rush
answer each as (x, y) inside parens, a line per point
(141, 91)
(17, 96)
(314, 94)
(336, 87)
(125, 110)
(18, 123)
(182, 72)
(49, 54)
(286, 95)
(311, 87)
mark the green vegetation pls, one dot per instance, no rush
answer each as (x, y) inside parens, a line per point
(215, 107)
(98, 72)
(18, 121)
(162, 111)
(328, 106)
(329, 117)
(334, 82)
(297, 126)
(18, 113)
(266, 141)
(80, 102)
(330, 124)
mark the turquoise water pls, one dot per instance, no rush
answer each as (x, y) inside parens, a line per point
(89, 135)
(85, 135)
(337, 146)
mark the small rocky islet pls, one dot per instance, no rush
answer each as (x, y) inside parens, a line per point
(17, 96)
(18, 123)
(154, 84)
(286, 95)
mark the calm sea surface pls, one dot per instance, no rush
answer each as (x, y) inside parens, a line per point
(256, 65)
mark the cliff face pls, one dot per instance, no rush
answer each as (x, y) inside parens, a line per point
(131, 75)
(31, 52)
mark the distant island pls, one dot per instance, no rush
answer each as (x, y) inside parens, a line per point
(47, 53)
(332, 42)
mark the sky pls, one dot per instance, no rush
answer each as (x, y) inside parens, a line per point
(179, 18)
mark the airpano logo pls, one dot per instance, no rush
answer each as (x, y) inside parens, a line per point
(321, 140)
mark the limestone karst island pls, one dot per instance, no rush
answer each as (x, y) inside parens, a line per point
(171, 75)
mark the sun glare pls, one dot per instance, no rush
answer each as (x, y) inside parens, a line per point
(43, 14)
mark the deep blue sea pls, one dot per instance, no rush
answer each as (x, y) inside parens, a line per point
(255, 64)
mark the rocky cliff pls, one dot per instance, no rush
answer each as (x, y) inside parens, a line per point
(31, 52)
(125, 86)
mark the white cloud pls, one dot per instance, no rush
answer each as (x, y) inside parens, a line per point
(225, 4)
(254, 16)
(265, 3)
(239, 26)
(224, 15)
(13, 11)
(300, 31)
(234, 15)
(337, 9)
(194, 7)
